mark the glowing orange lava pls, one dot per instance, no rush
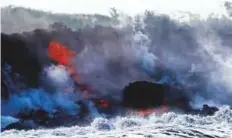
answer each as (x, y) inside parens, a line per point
(104, 103)
(61, 54)
(145, 112)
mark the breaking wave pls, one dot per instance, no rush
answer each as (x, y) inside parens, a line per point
(165, 125)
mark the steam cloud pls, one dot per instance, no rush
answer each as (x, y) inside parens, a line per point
(195, 56)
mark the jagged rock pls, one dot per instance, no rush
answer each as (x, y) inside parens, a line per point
(40, 116)
(44, 119)
(207, 110)
(21, 125)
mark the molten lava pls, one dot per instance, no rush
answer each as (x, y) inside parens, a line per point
(64, 56)
(145, 112)
(60, 53)
(104, 103)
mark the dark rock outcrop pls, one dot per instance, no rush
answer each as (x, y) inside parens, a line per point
(24, 66)
(208, 110)
(21, 125)
(144, 95)
(22, 61)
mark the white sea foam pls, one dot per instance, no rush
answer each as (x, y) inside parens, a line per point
(169, 124)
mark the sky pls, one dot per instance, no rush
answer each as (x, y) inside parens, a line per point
(131, 7)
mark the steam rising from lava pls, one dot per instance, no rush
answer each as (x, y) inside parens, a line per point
(149, 47)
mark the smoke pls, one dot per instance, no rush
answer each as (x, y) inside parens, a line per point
(195, 56)
(34, 99)
(57, 73)
(115, 64)
(228, 6)
(58, 76)
(215, 51)
(198, 100)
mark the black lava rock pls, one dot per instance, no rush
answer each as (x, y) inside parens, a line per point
(143, 94)
(207, 110)
(16, 53)
(21, 125)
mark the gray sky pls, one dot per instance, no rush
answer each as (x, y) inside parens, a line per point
(203, 7)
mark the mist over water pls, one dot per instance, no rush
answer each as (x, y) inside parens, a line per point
(193, 55)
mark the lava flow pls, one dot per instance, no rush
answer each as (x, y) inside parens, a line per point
(146, 112)
(64, 56)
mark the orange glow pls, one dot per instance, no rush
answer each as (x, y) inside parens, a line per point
(60, 53)
(104, 103)
(164, 108)
(144, 112)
